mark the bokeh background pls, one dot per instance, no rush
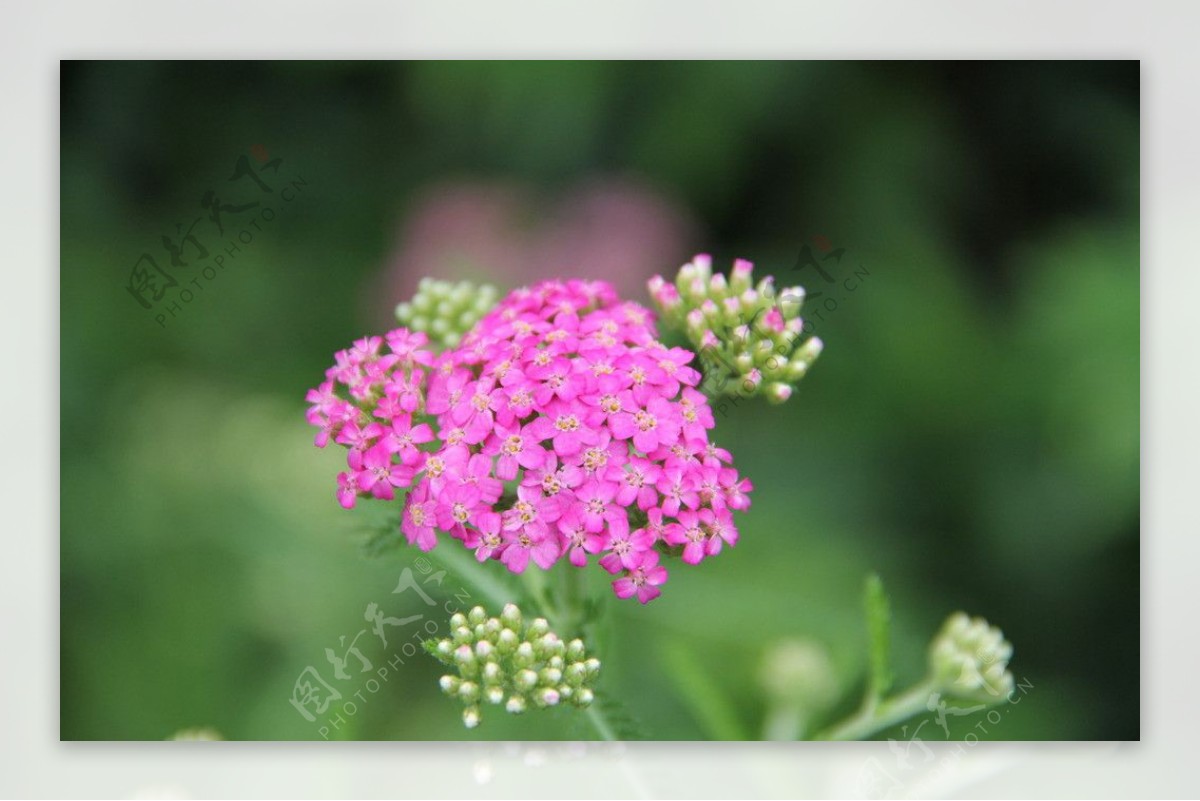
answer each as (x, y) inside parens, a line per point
(970, 433)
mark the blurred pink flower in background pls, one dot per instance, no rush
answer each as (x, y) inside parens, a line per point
(510, 235)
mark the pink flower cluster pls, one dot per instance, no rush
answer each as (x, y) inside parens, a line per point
(559, 426)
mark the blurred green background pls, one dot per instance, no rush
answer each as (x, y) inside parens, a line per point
(970, 433)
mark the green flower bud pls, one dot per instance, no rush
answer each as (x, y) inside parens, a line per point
(502, 657)
(463, 655)
(526, 679)
(511, 616)
(969, 659)
(445, 311)
(778, 392)
(524, 656)
(734, 325)
(576, 673)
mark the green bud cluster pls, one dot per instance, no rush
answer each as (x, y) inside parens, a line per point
(969, 659)
(507, 660)
(750, 338)
(445, 310)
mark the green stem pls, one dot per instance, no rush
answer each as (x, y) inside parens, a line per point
(873, 718)
(475, 574)
(600, 723)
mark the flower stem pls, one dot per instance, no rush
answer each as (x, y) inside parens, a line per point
(600, 723)
(476, 575)
(872, 718)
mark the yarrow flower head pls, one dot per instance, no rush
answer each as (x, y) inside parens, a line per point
(508, 660)
(750, 338)
(558, 427)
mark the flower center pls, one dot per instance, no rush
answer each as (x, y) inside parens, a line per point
(525, 511)
(594, 459)
(645, 421)
(567, 422)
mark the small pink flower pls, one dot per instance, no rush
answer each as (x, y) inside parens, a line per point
(417, 522)
(491, 543)
(523, 544)
(691, 534)
(625, 547)
(577, 537)
(404, 438)
(457, 505)
(408, 345)
(348, 488)
(359, 438)
(403, 390)
(567, 425)
(516, 449)
(678, 490)
(643, 579)
(594, 499)
(376, 472)
(638, 484)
